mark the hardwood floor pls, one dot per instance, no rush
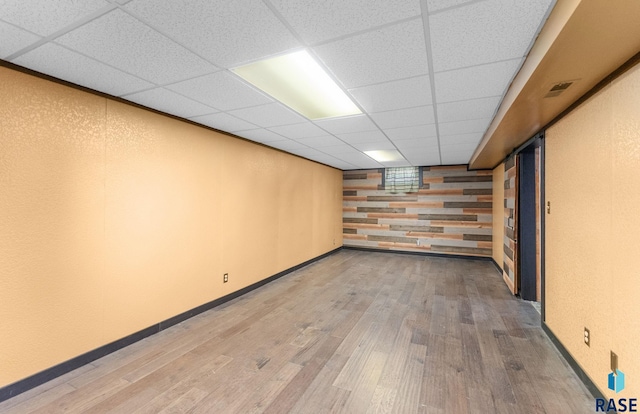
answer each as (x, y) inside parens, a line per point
(357, 332)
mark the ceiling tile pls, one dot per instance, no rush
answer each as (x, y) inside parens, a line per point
(286, 145)
(334, 162)
(319, 142)
(224, 122)
(347, 124)
(391, 53)
(170, 102)
(47, 17)
(73, 67)
(435, 5)
(425, 162)
(373, 146)
(226, 33)
(456, 157)
(260, 135)
(125, 43)
(163, 54)
(269, 115)
(475, 82)
(417, 143)
(404, 93)
(344, 166)
(403, 163)
(467, 139)
(221, 90)
(484, 32)
(464, 127)
(309, 153)
(471, 109)
(317, 21)
(359, 137)
(427, 158)
(296, 131)
(360, 160)
(14, 39)
(342, 150)
(461, 146)
(419, 131)
(421, 115)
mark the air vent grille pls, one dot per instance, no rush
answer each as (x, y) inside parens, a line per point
(558, 89)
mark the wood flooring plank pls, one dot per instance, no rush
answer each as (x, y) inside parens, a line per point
(320, 397)
(96, 391)
(264, 396)
(472, 357)
(33, 403)
(84, 399)
(382, 400)
(185, 402)
(166, 398)
(297, 386)
(44, 394)
(358, 359)
(364, 385)
(408, 394)
(393, 369)
(355, 332)
(519, 378)
(432, 392)
(480, 400)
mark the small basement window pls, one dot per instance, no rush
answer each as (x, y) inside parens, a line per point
(402, 179)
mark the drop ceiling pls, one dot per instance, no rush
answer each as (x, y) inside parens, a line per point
(428, 75)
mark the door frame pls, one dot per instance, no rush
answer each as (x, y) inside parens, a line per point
(514, 286)
(529, 230)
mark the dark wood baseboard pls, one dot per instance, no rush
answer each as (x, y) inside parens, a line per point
(48, 374)
(498, 268)
(591, 386)
(429, 254)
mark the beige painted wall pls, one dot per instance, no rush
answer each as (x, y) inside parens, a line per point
(115, 218)
(592, 278)
(498, 214)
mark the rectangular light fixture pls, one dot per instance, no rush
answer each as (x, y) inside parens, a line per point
(299, 82)
(385, 155)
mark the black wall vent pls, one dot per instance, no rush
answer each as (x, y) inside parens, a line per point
(558, 88)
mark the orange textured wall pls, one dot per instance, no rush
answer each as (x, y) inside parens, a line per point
(498, 215)
(115, 218)
(592, 158)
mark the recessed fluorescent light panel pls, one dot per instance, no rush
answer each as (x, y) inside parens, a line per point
(385, 155)
(299, 82)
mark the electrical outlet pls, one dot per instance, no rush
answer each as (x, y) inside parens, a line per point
(587, 337)
(225, 278)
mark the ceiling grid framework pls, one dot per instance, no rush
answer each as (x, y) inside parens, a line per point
(428, 75)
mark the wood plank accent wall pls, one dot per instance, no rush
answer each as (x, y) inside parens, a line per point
(510, 223)
(450, 214)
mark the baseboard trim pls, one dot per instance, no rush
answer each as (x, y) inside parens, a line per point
(509, 283)
(49, 374)
(429, 254)
(591, 386)
(498, 268)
